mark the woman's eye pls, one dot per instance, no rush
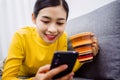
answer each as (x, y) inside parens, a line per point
(60, 23)
(45, 21)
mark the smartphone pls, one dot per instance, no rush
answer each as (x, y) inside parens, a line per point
(64, 57)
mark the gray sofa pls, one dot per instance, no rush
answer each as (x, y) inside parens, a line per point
(105, 23)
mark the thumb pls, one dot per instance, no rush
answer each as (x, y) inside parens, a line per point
(44, 69)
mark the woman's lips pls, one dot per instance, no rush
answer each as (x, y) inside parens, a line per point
(51, 37)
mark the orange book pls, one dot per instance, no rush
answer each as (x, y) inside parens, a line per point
(82, 43)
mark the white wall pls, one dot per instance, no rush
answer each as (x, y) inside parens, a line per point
(13, 15)
(16, 13)
(81, 7)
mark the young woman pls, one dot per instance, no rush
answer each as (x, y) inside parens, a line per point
(32, 48)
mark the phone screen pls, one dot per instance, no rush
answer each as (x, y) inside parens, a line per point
(64, 57)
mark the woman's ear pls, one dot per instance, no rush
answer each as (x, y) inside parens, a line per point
(33, 18)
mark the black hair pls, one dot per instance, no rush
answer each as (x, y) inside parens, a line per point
(40, 4)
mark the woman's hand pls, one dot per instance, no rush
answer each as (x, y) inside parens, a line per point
(44, 73)
(94, 44)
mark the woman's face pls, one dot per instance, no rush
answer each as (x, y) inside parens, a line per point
(50, 23)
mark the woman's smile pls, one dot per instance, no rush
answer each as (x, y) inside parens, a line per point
(50, 37)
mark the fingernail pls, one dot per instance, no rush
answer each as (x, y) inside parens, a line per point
(65, 66)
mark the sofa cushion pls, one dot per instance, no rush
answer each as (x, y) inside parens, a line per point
(105, 23)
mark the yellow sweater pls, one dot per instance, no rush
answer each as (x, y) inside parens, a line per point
(28, 52)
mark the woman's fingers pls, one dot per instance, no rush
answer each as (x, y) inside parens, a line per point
(44, 73)
(95, 46)
(55, 71)
(44, 69)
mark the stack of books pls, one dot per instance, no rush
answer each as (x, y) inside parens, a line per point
(82, 43)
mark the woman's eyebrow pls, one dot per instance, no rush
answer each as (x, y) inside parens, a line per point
(46, 17)
(61, 19)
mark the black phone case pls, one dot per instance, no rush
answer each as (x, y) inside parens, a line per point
(64, 57)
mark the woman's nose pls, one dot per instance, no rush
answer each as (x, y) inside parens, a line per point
(52, 28)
